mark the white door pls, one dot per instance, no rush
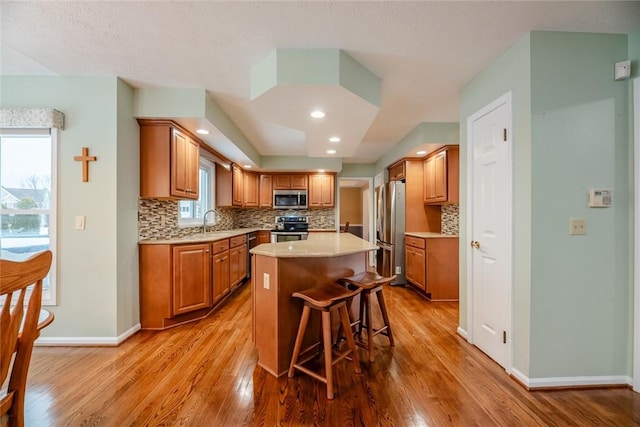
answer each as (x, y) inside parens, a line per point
(490, 231)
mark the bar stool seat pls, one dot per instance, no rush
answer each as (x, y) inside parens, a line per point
(326, 299)
(370, 282)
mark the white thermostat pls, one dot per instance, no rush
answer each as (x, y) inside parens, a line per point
(599, 198)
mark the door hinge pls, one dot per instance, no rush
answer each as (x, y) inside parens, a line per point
(504, 337)
(504, 135)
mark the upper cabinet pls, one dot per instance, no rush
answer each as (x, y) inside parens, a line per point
(237, 185)
(251, 189)
(290, 182)
(441, 176)
(266, 191)
(321, 191)
(397, 171)
(169, 161)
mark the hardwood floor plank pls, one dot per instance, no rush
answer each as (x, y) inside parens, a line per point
(205, 374)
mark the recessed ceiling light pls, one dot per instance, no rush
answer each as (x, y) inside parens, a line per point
(202, 132)
(334, 139)
(321, 170)
(247, 166)
(331, 151)
(317, 114)
(421, 152)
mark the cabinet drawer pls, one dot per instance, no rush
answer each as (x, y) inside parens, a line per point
(220, 246)
(415, 242)
(238, 240)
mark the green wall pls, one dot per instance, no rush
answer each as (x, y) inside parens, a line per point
(97, 273)
(580, 285)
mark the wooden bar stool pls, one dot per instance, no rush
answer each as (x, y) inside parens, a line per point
(370, 283)
(326, 299)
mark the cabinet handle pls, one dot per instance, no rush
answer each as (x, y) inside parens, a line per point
(475, 244)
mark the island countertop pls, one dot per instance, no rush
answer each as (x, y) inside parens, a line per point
(317, 245)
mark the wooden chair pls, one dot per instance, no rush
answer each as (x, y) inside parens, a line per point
(326, 299)
(19, 329)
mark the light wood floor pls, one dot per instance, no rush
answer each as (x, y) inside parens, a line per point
(205, 374)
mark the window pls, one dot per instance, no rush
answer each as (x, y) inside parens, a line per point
(190, 211)
(27, 199)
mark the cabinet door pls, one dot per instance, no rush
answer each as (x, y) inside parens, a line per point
(184, 166)
(281, 182)
(263, 237)
(321, 191)
(220, 275)
(442, 269)
(440, 177)
(238, 265)
(298, 182)
(266, 191)
(429, 180)
(237, 186)
(397, 171)
(191, 278)
(415, 266)
(251, 187)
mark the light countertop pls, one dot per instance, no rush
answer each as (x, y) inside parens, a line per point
(318, 245)
(429, 235)
(211, 236)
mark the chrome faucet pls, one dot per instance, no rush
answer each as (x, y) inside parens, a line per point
(204, 219)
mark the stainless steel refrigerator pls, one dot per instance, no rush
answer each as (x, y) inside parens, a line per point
(390, 226)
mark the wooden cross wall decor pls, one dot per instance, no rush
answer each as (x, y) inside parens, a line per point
(85, 159)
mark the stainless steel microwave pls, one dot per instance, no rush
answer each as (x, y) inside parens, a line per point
(290, 199)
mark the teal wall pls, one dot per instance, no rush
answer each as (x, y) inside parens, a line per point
(97, 273)
(509, 73)
(571, 310)
(580, 285)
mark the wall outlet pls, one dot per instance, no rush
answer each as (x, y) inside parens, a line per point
(265, 281)
(398, 270)
(577, 226)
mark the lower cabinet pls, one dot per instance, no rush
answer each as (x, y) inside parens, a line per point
(191, 278)
(180, 283)
(432, 266)
(263, 237)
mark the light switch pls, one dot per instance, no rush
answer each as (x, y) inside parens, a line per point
(265, 280)
(80, 222)
(577, 226)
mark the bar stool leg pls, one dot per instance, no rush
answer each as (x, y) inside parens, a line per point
(385, 316)
(304, 319)
(369, 327)
(344, 318)
(328, 363)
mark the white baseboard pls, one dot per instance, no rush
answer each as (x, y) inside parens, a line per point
(87, 341)
(462, 333)
(561, 382)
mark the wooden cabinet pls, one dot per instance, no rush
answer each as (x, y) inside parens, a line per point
(290, 182)
(266, 191)
(263, 237)
(432, 266)
(237, 185)
(221, 269)
(191, 278)
(415, 261)
(237, 260)
(441, 176)
(251, 189)
(397, 171)
(169, 161)
(321, 191)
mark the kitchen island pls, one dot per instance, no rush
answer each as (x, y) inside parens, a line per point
(283, 268)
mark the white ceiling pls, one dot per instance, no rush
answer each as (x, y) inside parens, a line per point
(424, 52)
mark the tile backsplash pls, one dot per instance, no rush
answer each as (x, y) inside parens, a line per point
(450, 217)
(158, 219)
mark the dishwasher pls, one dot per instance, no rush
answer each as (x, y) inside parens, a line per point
(252, 242)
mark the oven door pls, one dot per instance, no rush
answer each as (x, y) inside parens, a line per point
(288, 236)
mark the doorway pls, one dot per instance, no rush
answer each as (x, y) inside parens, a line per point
(355, 206)
(636, 244)
(489, 271)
